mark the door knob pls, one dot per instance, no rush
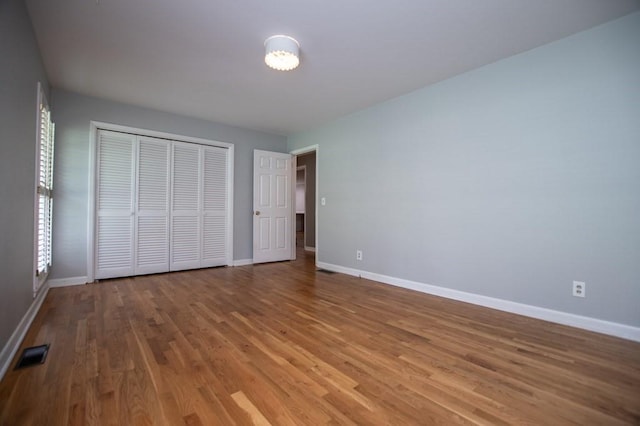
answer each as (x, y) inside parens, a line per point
(257, 212)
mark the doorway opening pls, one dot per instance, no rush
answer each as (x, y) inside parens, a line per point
(305, 202)
(301, 191)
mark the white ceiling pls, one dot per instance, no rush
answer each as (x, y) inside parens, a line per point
(204, 58)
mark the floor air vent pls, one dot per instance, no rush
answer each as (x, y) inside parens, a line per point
(32, 356)
(326, 271)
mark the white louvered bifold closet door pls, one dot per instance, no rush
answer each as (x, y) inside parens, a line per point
(214, 221)
(161, 205)
(152, 206)
(186, 207)
(115, 213)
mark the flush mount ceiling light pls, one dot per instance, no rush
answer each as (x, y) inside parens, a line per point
(281, 52)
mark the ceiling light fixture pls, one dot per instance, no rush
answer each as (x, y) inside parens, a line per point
(282, 52)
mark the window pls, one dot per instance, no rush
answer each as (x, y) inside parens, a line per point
(44, 189)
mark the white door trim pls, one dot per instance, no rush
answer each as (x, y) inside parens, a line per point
(94, 127)
(307, 149)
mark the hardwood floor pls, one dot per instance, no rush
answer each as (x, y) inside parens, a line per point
(283, 344)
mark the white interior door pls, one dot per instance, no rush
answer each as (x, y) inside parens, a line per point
(161, 205)
(272, 206)
(152, 206)
(214, 206)
(186, 207)
(114, 205)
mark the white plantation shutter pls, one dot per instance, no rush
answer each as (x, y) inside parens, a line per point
(45, 131)
(186, 208)
(152, 212)
(115, 205)
(214, 221)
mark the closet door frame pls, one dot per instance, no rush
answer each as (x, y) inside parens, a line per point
(95, 127)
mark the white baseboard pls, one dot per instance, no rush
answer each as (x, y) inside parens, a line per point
(243, 262)
(307, 248)
(66, 282)
(13, 344)
(587, 323)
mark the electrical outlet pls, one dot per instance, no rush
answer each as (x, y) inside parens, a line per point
(358, 254)
(579, 289)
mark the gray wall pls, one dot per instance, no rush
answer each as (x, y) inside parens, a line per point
(20, 70)
(509, 181)
(72, 114)
(309, 160)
